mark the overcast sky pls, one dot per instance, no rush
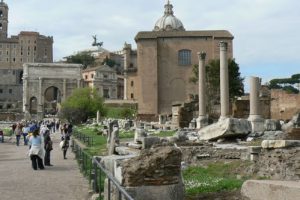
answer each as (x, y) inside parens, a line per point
(267, 32)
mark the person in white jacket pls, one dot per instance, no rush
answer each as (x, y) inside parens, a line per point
(36, 152)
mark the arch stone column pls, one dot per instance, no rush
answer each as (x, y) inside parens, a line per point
(25, 94)
(64, 89)
(202, 119)
(224, 81)
(40, 112)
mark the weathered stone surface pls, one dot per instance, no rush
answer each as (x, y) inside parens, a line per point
(125, 151)
(257, 125)
(148, 142)
(134, 145)
(228, 127)
(293, 123)
(254, 149)
(268, 144)
(278, 164)
(139, 134)
(159, 166)
(109, 161)
(274, 135)
(275, 190)
(163, 192)
(272, 125)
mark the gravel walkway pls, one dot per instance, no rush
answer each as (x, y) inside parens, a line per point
(19, 181)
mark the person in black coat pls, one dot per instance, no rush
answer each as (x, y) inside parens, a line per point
(48, 148)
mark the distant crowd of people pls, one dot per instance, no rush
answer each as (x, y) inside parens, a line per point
(37, 135)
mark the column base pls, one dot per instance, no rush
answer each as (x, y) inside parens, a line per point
(202, 121)
(222, 118)
(257, 123)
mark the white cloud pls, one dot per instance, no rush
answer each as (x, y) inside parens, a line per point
(266, 31)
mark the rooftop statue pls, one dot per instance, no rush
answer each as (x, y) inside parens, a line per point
(95, 43)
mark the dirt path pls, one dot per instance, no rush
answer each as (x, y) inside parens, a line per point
(19, 181)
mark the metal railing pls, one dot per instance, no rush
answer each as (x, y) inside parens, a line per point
(84, 138)
(93, 170)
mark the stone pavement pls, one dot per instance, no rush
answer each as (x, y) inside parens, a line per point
(19, 181)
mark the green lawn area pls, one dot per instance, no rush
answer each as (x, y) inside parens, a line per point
(7, 131)
(165, 133)
(215, 177)
(99, 141)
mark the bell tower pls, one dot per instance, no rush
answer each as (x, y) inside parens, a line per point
(3, 20)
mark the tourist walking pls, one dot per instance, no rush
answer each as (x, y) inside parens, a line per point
(65, 143)
(18, 132)
(48, 148)
(1, 136)
(25, 131)
(36, 151)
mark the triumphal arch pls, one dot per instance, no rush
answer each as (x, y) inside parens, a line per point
(46, 85)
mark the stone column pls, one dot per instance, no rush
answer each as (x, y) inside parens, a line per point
(257, 122)
(125, 75)
(25, 93)
(39, 103)
(202, 119)
(254, 98)
(64, 89)
(78, 83)
(224, 81)
(98, 117)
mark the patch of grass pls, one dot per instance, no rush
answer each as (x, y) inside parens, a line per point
(215, 177)
(165, 133)
(121, 113)
(7, 131)
(126, 134)
(99, 141)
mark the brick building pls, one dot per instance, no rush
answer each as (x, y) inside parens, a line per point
(26, 47)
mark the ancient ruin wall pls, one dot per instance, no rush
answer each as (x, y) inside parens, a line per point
(284, 105)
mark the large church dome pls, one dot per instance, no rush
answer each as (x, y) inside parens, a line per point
(168, 22)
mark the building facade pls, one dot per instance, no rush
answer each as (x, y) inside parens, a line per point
(164, 63)
(103, 79)
(26, 47)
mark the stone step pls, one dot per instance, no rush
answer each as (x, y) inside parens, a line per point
(294, 134)
(268, 189)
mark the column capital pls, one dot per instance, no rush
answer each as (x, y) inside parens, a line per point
(223, 46)
(201, 55)
(40, 78)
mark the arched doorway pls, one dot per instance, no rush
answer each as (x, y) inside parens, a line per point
(52, 100)
(33, 105)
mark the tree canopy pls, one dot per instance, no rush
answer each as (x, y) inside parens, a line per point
(82, 104)
(236, 85)
(83, 58)
(287, 84)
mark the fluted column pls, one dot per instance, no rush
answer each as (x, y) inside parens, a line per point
(224, 81)
(202, 119)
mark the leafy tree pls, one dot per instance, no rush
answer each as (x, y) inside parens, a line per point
(83, 58)
(82, 104)
(236, 86)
